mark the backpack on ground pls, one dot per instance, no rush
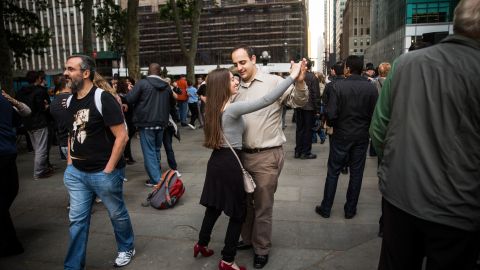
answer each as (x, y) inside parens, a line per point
(167, 192)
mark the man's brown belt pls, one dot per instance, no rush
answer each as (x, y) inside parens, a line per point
(258, 150)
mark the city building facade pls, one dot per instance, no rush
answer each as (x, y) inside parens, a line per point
(397, 24)
(276, 26)
(64, 21)
(339, 8)
(356, 28)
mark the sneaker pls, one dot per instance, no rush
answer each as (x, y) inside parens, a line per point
(125, 179)
(191, 126)
(124, 258)
(149, 184)
(178, 173)
(98, 200)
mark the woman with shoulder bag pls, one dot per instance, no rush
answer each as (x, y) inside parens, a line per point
(223, 189)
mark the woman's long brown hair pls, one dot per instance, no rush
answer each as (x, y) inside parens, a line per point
(218, 92)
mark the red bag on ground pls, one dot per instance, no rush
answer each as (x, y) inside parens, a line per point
(167, 192)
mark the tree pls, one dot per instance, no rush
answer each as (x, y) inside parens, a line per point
(132, 43)
(180, 12)
(118, 26)
(86, 6)
(17, 44)
(111, 23)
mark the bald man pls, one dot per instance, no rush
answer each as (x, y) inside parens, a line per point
(151, 99)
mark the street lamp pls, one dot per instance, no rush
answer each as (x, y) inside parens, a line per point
(265, 57)
(286, 51)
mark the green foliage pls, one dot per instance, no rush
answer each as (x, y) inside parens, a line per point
(185, 10)
(110, 23)
(22, 43)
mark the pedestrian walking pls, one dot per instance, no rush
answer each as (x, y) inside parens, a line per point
(151, 98)
(192, 104)
(95, 162)
(35, 97)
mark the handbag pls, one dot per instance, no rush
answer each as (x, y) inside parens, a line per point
(248, 183)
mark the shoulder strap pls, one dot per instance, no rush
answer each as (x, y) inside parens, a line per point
(69, 99)
(231, 148)
(169, 174)
(98, 100)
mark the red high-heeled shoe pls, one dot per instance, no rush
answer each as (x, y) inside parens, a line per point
(225, 266)
(206, 252)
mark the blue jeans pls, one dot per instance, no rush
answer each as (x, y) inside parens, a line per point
(319, 133)
(341, 153)
(151, 142)
(167, 143)
(82, 188)
(183, 111)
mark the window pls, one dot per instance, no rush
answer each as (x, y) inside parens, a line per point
(361, 50)
(355, 42)
(354, 50)
(361, 42)
(361, 31)
(368, 42)
(361, 20)
(430, 11)
(355, 31)
(368, 31)
(355, 21)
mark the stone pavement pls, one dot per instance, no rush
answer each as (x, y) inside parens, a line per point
(164, 239)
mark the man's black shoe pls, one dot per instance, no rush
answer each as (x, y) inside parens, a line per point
(308, 156)
(350, 215)
(242, 246)
(259, 261)
(297, 155)
(318, 210)
(322, 141)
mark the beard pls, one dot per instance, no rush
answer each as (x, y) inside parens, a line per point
(75, 85)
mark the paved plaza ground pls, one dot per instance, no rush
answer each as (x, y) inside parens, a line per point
(164, 239)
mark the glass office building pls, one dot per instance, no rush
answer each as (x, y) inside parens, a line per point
(396, 24)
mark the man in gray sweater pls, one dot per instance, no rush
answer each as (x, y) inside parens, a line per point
(426, 131)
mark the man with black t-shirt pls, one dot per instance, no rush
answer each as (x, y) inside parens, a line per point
(97, 138)
(58, 109)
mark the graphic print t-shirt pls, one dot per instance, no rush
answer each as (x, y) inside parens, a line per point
(91, 140)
